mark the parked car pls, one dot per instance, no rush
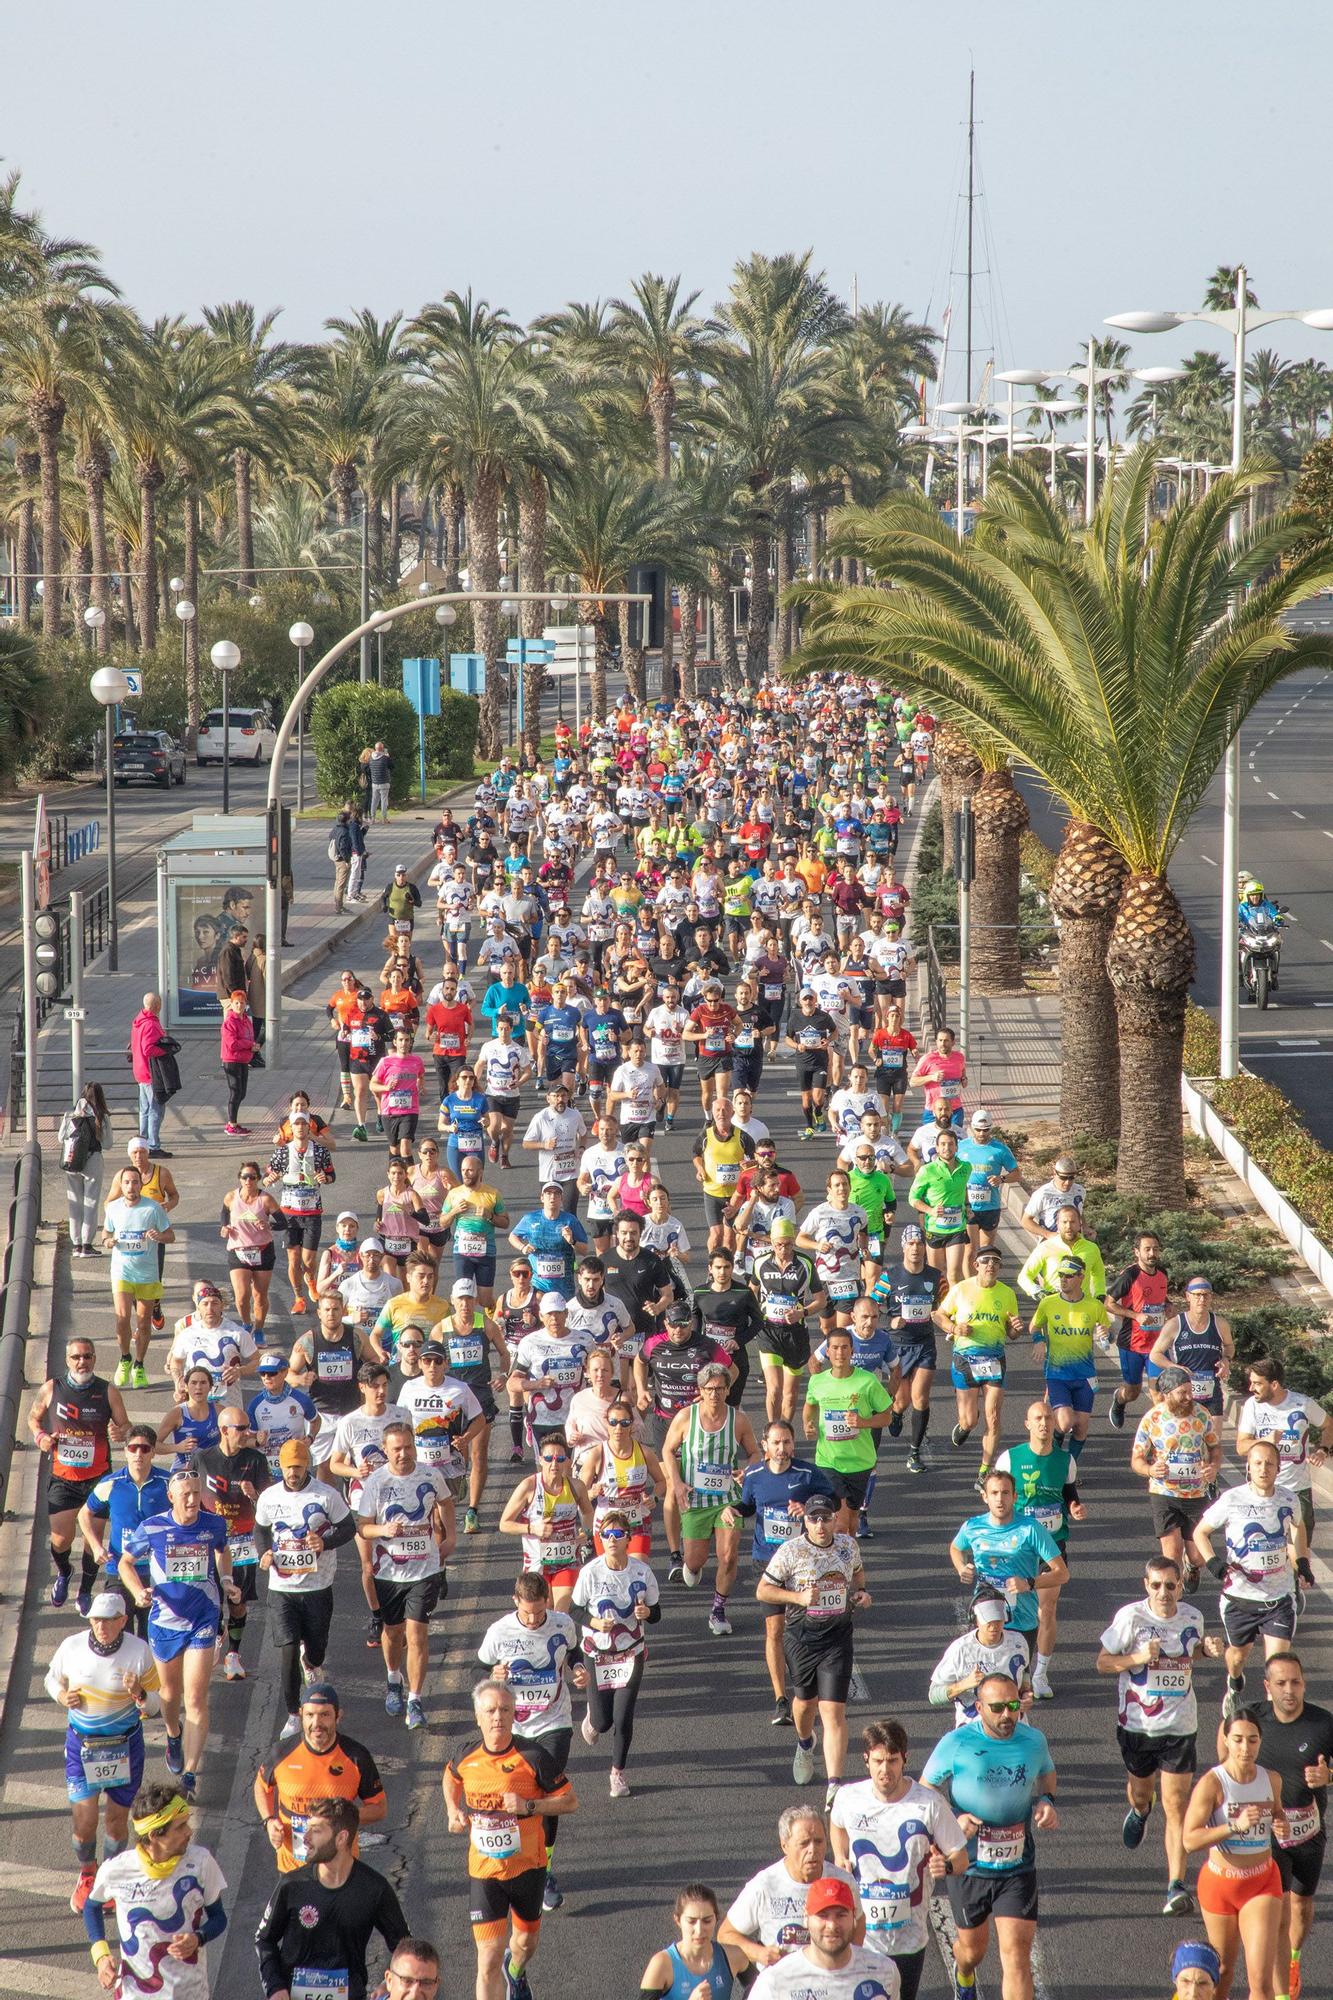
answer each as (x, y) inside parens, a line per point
(148, 756)
(252, 737)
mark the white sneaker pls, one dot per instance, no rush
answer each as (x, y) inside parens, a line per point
(619, 1784)
(719, 1624)
(689, 1577)
(1041, 1686)
(232, 1670)
(586, 1730)
(291, 1727)
(803, 1765)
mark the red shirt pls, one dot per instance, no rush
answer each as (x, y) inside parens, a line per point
(714, 1020)
(755, 836)
(450, 1026)
(788, 1185)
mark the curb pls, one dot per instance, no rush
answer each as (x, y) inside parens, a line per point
(20, 1543)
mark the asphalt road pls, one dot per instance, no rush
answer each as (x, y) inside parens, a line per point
(1286, 817)
(709, 1774)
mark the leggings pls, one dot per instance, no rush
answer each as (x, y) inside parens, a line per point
(613, 1709)
(83, 1199)
(238, 1076)
(910, 1966)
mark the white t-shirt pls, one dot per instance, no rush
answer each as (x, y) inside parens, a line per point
(151, 1910)
(367, 1297)
(555, 1368)
(562, 1134)
(1009, 1657)
(1157, 1700)
(535, 1656)
(1288, 1425)
(289, 1518)
(213, 1347)
(1256, 1542)
(867, 1975)
(409, 1498)
(439, 1413)
(666, 1028)
(640, 1081)
(359, 1437)
(771, 1907)
(603, 1592)
(890, 1845)
(501, 1067)
(836, 1231)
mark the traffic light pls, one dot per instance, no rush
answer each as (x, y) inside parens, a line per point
(52, 953)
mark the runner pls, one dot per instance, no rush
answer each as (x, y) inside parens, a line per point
(1152, 1645)
(119, 1501)
(727, 1314)
(299, 1169)
(553, 1237)
(534, 1651)
(494, 1789)
(207, 1338)
(812, 1034)
(1298, 1746)
(1178, 1451)
(942, 1074)
(1041, 1271)
(834, 1232)
(617, 1593)
(787, 1290)
(939, 1195)
(1010, 1552)
(1234, 1813)
(697, 1960)
(600, 1167)
(775, 1492)
(547, 1509)
(325, 1764)
(133, 1227)
(621, 1472)
(705, 1449)
(987, 1648)
(979, 1315)
(1198, 1340)
(106, 1680)
(720, 1152)
(314, 1935)
(248, 1217)
(478, 1359)
(166, 1892)
(300, 1524)
(502, 1067)
(912, 1291)
(396, 1084)
(1274, 1412)
(406, 1512)
(1260, 1526)
(767, 1919)
(73, 1422)
(1065, 1325)
(323, 1362)
(279, 1412)
(1001, 1784)
(845, 1407)
(1045, 1491)
(900, 1840)
(990, 1164)
(546, 1367)
(830, 1965)
(817, 1577)
(235, 1473)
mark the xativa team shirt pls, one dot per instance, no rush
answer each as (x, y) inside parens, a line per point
(842, 1446)
(889, 1846)
(534, 1657)
(995, 1779)
(982, 1314)
(1066, 1328)
(867, 1975)
(290, 1518)
(1256, 1531)
(771, 1906)
(153, 1909)
(1003, 1555)
(1288, 1425)
(407, 1501)
(1157, 1700)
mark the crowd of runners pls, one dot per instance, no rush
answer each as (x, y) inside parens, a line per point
(684, 914)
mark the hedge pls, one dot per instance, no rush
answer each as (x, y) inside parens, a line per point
(348, 719)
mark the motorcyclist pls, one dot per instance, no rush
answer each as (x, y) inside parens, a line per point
(1259, 915)
(1256, 907)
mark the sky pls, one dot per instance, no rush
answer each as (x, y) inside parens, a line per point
(325, 157)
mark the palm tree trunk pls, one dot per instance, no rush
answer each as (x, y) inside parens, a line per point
(959, 770)
(148, 484)
(377, 541)
(1151, 965)
(782, 546)
(193, 708)
(125, 566)
(245, 520)
(93, 471)
(1001, 816)
(631, 659)
(80, 562)
(724, 619)
(483, 540)
(1085, 893)
(689, 642)
(395, 534)
(441, 529)
(756, 631)
(532, 615)
(29, 465)
(344, 485)
(601, 657)
(50, 420)
(456, 502)
(813, 542)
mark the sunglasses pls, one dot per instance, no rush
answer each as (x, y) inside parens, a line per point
(615, 1534)
(555, 1458)
(430, 1360)
(82, 1355)
(409, 1347)
(1001, 1707)
(139, 1447)
(234, 1430)
(248, 1177)
(619, 1424)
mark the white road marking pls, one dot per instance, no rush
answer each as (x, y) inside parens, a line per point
(1273, 795)
(1209, 859)
(1327, 946)
(1305, 1042)
(1296, 815)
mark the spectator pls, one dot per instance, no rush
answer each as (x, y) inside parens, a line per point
(380, 768)
(146, 1038)
(229, 972)
(360, 851)
(256, 990)
(83, 1132)
(363, 782)
(342, 848)
(238, 1046)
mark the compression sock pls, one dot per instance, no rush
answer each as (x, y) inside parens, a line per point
(719, 1605)
(870, 1492)
(111, 1848)
(896, 1122)
(85, 1853)
(61, 1559)
(235, 1633)
(88, 1568)
(516, 1429)
(920, 1420)
(807, 1742)
(1076, 1448)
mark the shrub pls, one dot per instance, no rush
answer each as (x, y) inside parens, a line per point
(348, 718)
(1202, 1042)
(1195, 1241)
(935, 895)
(451, 736)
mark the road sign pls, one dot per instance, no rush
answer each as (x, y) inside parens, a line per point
(528, 652)
(133, 682)
(467, 672)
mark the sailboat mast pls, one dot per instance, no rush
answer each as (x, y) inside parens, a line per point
(971, 200)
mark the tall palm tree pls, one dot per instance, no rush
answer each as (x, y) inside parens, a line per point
(1219, 294)
(292, 533)
(263, 373)
(383, 354)
(339, 414)
(1120, 689)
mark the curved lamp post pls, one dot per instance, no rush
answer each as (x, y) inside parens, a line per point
(109, 687)
(301, 636)
(226, 657)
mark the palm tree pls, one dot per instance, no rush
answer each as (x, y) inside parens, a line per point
(1121, 690)
(1108, 353)
(339, 414)
(1219, 294)
(383, 355)
(291, 532)
(263, 374)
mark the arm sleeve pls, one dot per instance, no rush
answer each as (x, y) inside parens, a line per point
(389, 1919)
(215, 1922)
(339, 1532)
(271, 1926)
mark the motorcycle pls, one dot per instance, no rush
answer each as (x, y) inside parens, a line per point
(1261, 954)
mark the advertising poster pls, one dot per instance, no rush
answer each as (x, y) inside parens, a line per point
(203, 914)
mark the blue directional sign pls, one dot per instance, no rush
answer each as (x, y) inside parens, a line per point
(467, 673)
(421, 685)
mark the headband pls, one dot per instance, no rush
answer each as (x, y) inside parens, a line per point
(153, 1823)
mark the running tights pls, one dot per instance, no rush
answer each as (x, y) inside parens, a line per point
(613, 1709)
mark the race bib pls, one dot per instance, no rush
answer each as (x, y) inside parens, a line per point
(830, 1598)
(843, 1288)
(1048, 1514)
(781, 1310)
(334, 1366)
(744, 1039)
(300, 1199)
(1268, 1561)
(292, 1561)
(186, 1562)
(1302, 1825)
(985, 1367)
(399, 1100)
(466, 1350)
(727, 1173)
(77, 1452)
(892, 1058)
(319, 1982)
(947, 1216)
(1000, 1846)
(449, 1044)
(397, 1246)
(131, 1241)
(534, 1692)
(105, 1760)
(565, 1166)
(361, 1038)
(837, 1427)
(711, 1478)
(559, 1553)
(715, 1041)
(549, 1263)
(411, 1548)
(242, 1550)
(403, 926)
(914, 1311)
(249, 1258)
(614, 1670)
(779, 1525)
(1203, 1387)
(887, 1906)
(469, 1142)
(1169, 1678)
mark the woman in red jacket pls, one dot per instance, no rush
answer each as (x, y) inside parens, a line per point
(238, 1047)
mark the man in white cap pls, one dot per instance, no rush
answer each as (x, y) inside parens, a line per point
(367, 1290)
(106, 1681)
(990, 1164)
(548, 1367)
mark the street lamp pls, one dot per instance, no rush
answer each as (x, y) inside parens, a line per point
(508, 609)
(1017, 378)
(226, 657)
(301, 636)
(109, 687)
(962, 411)
(185, 612)
(1238, 320)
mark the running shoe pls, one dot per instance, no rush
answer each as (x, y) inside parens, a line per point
(291, 1727)
(158, 1317)
(393, 1698)
(471, 1523)
(690, 1577)
(964, 1983)
(1294, 1977)
(232, 1669)
(516, 1454)
(1190, 1580)
(374, 1632)
(915, 1463)
(958, 1437)
(1041, 1687)
(552, 1895)
(1115, 1415)
(299, 1306)
(176, 1754)
(516, 1981)
(138, 1376)
(359, 1134)
(803, 1764)
(619, 1784)
(676, 1571)
(190, 1785)
(781, 1716)
(719, 1624)
(416, 1713)
(121, 1378)
(1235, 1700)
(894, 1426)
(83, 1601)
(59, 1589)
(83, 1888)
(1133, 1827)
(232, 1131)
(809, 1132)
(1180, 1903)
(587, 1732)
(864, 1531)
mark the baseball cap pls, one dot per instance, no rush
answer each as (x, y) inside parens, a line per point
(821, 1504)
(272, 1364)
(434, 1351)
(372, 1243)
(295, 1452)
(320, 1691)
(988, 1254)
(830, 1893)
(346, 1215)
(982, 1118)
(108, 1604)
(463, 1288)
(552, 1303)
(678, 1314)
(298, 1117)
(1069, 1267)
(1171, 1378)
